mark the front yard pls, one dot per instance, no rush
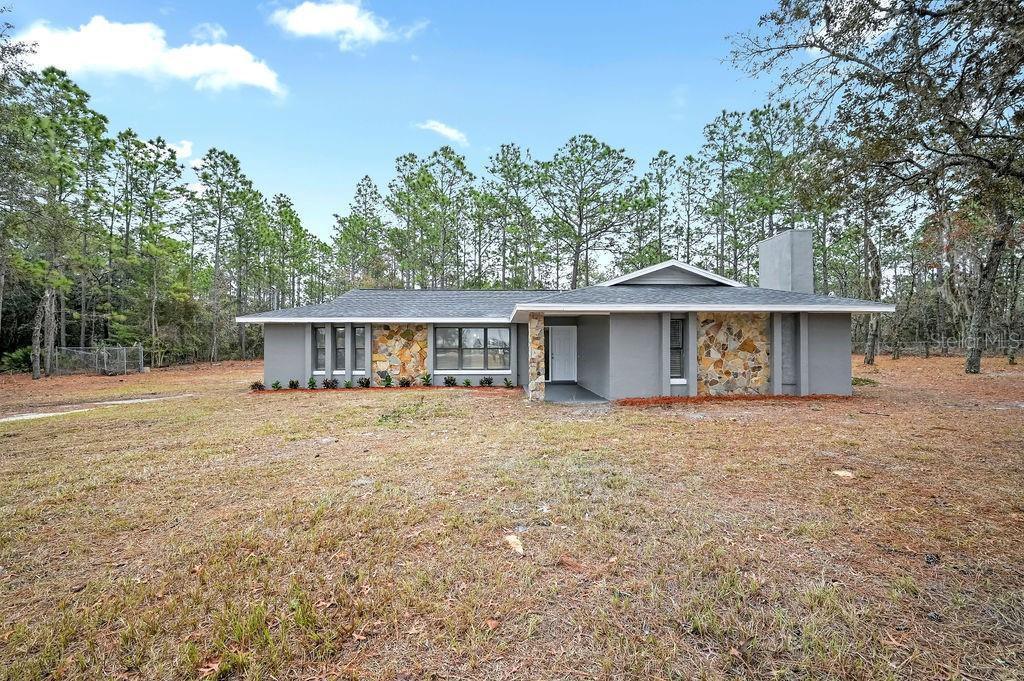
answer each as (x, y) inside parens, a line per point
(374, 534)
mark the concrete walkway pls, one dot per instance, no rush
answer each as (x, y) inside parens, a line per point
(570, 393)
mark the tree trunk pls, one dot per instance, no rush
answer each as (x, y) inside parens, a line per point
(986, 282)
(37, 329)
(874, 292)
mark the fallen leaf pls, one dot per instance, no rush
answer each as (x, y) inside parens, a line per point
(571, 564)
(843, 473)
(514, 542)
(209, 668)
(492, 624)
(358, 637)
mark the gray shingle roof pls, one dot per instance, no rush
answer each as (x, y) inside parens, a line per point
(430, 304)
(410, 304)
(672, 295)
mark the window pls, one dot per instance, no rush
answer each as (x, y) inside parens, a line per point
(339, 349)
(471, 349)
(675, 352)
(359, 349)
(320, 348)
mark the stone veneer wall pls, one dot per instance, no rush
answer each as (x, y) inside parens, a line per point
(535, 361)
(732, 353)
(400, 349)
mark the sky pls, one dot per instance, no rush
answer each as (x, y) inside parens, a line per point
(311, 95)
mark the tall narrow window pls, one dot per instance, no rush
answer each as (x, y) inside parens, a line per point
(320, 349)
(676, 349)
(359, 349)
(339, 349)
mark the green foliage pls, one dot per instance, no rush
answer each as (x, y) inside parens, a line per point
(486, 380)
(293, 384)
(405, 381)
(276, 385)
(17, 361)
(257, 385)
(508, 383)
(386, 379)
(466, 382)
(348, 385)
(330, 383)
(311, 383)
(450, 381)
(858, 380)
(426, 379)
(364, 382)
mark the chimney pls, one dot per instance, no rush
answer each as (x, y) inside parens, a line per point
(786, 261)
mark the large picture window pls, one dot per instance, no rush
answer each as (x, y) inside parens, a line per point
(359, 349)
(471, 349)
(339, 349)
(676, 349)
(320, 348)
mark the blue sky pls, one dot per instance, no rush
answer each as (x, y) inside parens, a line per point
(311, 96)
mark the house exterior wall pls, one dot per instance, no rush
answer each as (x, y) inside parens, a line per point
(733, 353)
(592, 350)
(635, 355)
(399, 349)
(829, 360)
(284, 352)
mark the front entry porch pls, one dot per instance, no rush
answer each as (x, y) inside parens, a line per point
(570, 393)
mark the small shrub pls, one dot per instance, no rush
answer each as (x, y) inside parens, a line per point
(405, 381)
(293, 384)
(311, 383)
(449, 381)
(387, 380)
(276, 385)
(257, 385)
(486, 381)
(364, 382)
(331, 383)
(348, 384)
(508, 383)
(17, 361)
(466, 382)
(426, 379)
(858, 380)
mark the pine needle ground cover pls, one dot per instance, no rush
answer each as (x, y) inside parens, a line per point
(410, 534)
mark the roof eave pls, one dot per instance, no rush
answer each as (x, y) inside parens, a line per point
(256, 319)
(522, 311)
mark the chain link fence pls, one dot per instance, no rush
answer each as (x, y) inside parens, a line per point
(106, 360)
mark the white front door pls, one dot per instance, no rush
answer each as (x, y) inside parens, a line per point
(562, 352)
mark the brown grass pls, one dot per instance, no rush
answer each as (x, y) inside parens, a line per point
(351, 533)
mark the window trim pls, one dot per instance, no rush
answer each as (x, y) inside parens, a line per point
(681, 348)
(343, 331)
(316, 335)
(486, 348)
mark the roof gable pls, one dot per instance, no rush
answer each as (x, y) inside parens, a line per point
(672, 272)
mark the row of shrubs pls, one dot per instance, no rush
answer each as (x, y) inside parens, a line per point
(387, 380)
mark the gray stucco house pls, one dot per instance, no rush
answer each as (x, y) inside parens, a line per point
(669, 329)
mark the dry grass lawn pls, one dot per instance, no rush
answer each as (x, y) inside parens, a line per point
(362, 534)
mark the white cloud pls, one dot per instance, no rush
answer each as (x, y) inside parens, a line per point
(208, 32)
(182, 149)
(446, 131)
(343, 20)
(109, 47)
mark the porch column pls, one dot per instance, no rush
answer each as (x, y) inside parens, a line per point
(535, 359)
(775, 355)
(690, 346)
(666, 351)
(803, 357)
